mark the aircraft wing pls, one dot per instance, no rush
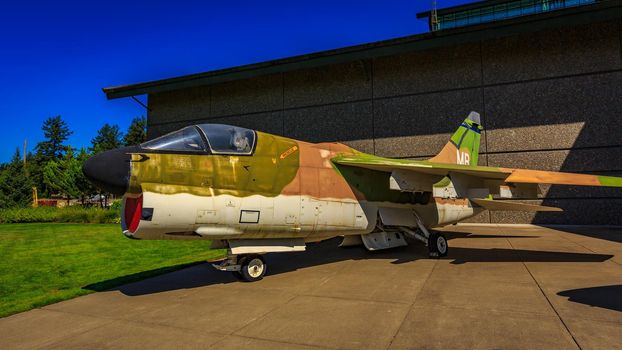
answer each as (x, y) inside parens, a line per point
(508, 175)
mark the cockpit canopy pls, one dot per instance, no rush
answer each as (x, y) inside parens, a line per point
(227, 139)
(187, 139)
(221, 139)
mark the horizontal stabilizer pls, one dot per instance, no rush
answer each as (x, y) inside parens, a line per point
(510, 205)
(556, 178)
(507, 175)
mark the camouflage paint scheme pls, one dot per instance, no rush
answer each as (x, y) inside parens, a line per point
(294, 189)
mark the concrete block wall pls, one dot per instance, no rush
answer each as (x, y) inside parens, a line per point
(549, 100)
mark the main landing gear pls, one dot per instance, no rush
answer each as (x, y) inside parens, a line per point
(436, 241)
(437, 245)
(247, 267)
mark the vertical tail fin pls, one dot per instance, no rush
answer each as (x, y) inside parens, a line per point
(463, 147)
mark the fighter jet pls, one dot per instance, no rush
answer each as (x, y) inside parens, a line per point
(255, 193)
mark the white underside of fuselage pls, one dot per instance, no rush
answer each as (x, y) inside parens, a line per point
(226, 217)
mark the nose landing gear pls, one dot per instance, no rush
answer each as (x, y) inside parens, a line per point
(252, 267)
(249, 268)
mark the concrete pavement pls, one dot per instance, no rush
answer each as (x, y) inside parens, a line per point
(503, 287)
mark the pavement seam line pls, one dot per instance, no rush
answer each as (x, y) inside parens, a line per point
(131, 320)
(140, 322)
(107, 316)
(412, 305)
(546, 297)
(48, 345)
(272, 341)
(46, 307)
(261, 317)
(355, 299)
(474, 308)
(496, 311)
(83, 314)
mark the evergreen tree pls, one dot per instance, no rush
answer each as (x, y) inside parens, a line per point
(53, 147)
(4, 197)
(56, 132)
(136, 132)
(15, 186)
(34, 168)
(85, 186)
(108, 137)
(61, 175)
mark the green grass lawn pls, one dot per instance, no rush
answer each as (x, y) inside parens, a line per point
(45, 263)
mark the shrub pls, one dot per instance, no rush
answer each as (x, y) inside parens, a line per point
(108, 216)
(116, 206)
(75, 214)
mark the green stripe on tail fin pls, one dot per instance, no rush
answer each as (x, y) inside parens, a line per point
(463, 147)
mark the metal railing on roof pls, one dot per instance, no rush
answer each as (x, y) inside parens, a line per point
(502, 11)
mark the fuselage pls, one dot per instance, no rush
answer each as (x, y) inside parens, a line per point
(221, 182)
(281, 188)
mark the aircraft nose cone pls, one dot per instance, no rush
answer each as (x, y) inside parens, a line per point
(110, 170)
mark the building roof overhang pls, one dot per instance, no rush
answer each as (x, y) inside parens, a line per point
(601, 11)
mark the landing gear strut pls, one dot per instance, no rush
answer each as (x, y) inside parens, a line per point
(250, 268)
(436, 241)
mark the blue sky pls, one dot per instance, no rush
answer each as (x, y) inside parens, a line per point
(55, 56)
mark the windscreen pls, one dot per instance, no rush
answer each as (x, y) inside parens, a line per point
(187, 139)
(227, 139)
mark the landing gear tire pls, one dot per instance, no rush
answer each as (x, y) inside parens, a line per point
(252, 268)
(437, 245)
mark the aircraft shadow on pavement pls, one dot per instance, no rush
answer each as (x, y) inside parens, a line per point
(328, 252)
(460, 255)
(606, 297)
(613, 234)
(456, 234)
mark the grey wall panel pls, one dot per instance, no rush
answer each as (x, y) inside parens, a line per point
(483, 217)
(577, 160)
(430, 70)
(579, 211)
(420, 125)
(558, 191)
(330, 84)
(161, 129)
(179, 105)
(350, 123)
(247, 96)
(363, 145)
(551, 53)
(555, 113)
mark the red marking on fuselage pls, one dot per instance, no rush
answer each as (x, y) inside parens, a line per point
(133, 210)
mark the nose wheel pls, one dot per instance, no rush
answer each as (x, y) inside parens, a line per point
(252, 268)
(249, 268)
